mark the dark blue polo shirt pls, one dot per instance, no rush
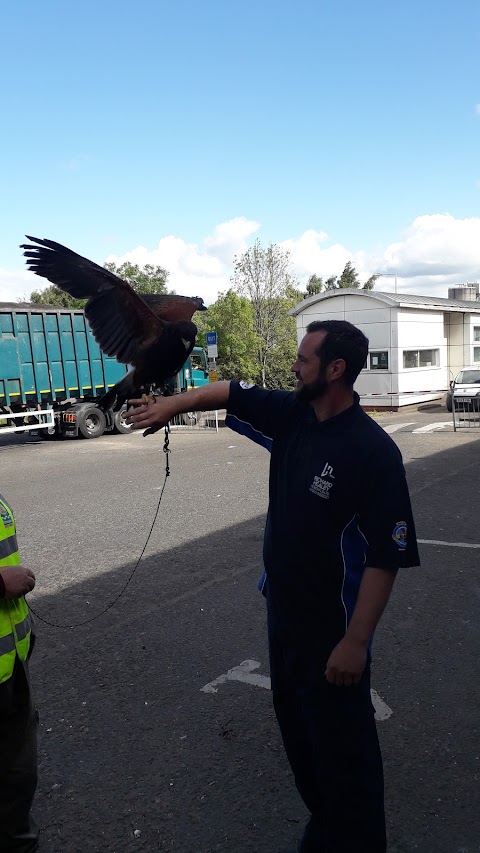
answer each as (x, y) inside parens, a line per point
(339, 501)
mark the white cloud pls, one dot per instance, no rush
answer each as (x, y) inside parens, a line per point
(434, 252)
(231, 238)
(309, 255)
(17, 285)
(197, 270)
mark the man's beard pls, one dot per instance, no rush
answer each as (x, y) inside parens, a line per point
(313, 390)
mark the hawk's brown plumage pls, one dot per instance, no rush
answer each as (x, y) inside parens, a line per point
(153, 332)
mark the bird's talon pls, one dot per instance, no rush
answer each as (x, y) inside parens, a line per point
(147, 398)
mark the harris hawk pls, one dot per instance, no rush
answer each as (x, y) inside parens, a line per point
(153, 332)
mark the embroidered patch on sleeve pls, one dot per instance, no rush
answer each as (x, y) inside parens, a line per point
(399, 535)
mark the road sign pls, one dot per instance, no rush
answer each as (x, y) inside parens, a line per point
(213, 375)
(212, 349)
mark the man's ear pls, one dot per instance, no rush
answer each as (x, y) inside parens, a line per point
(336, 369)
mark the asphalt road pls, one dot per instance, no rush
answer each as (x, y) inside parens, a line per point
(134, 755)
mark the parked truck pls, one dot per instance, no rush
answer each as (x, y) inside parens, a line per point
(49, 359)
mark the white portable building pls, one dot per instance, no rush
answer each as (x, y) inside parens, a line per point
(417, 343)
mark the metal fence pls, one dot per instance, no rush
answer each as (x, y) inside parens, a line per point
(27, 421)
(466, 412)
(195, 422)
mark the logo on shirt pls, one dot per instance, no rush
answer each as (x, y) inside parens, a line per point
(328, 471)
(321, 485)
(399, 535)
(246, 385)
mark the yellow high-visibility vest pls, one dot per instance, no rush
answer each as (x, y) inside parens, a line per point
(15, 624)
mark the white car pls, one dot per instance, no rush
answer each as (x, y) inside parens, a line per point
(465, 390)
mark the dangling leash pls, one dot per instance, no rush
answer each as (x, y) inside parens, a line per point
(167, 451)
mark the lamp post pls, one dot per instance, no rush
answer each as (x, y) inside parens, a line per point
(388, 274)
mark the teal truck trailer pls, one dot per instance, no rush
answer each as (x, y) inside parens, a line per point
(49, 359)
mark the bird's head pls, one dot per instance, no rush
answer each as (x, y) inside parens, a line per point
(199, 303)
(186, 331)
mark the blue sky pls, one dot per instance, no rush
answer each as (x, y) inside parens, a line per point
(177, 133)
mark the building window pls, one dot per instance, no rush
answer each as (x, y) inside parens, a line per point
(476, 354)
(420, 358)
(379, 360)
(476, 333)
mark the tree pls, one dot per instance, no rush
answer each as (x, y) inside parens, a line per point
(283, 354)
(349, 277)
(370, 283)
(231, 317)
(314, 285)
(149, 279)
(52, 295)
(263, 276)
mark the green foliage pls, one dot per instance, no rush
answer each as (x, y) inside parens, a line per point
(370, 283)
(278, 372)
(263, 277)
(331, 283)
(231, 317)
(349, 277)
(314, 285)
(148, 279)
(52, 295)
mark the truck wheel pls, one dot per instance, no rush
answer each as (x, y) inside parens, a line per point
(449, 402)
(119, 424)
(91, 422)
(49, 434)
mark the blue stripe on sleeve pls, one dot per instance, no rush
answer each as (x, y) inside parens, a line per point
(246, 429)
(354, 546)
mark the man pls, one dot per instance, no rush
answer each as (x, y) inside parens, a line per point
(18, 720)
(339, 526)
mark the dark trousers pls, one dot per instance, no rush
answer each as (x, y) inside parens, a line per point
(18, 763)
(331, 742)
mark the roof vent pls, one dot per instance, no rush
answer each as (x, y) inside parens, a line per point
(468, 292)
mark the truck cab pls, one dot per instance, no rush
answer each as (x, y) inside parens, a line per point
(194, 372)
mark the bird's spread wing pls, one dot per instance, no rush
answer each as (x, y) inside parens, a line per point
(170, 307)
(121, 321)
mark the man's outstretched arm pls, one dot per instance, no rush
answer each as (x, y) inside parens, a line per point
(156, 415)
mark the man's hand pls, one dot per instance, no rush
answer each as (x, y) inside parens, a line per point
(18, 581)
(346, 663)
(153, 415)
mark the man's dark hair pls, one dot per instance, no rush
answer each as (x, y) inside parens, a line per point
(342, 340)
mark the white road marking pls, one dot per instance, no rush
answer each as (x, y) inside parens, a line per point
(244, 673)
(448, 544)
(240, 673)
(391, 428)
(382, 710)
(433, 427)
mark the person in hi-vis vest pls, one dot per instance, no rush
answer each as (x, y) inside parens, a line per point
(18, 718)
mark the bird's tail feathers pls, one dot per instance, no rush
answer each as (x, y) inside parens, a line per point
(116, 396)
